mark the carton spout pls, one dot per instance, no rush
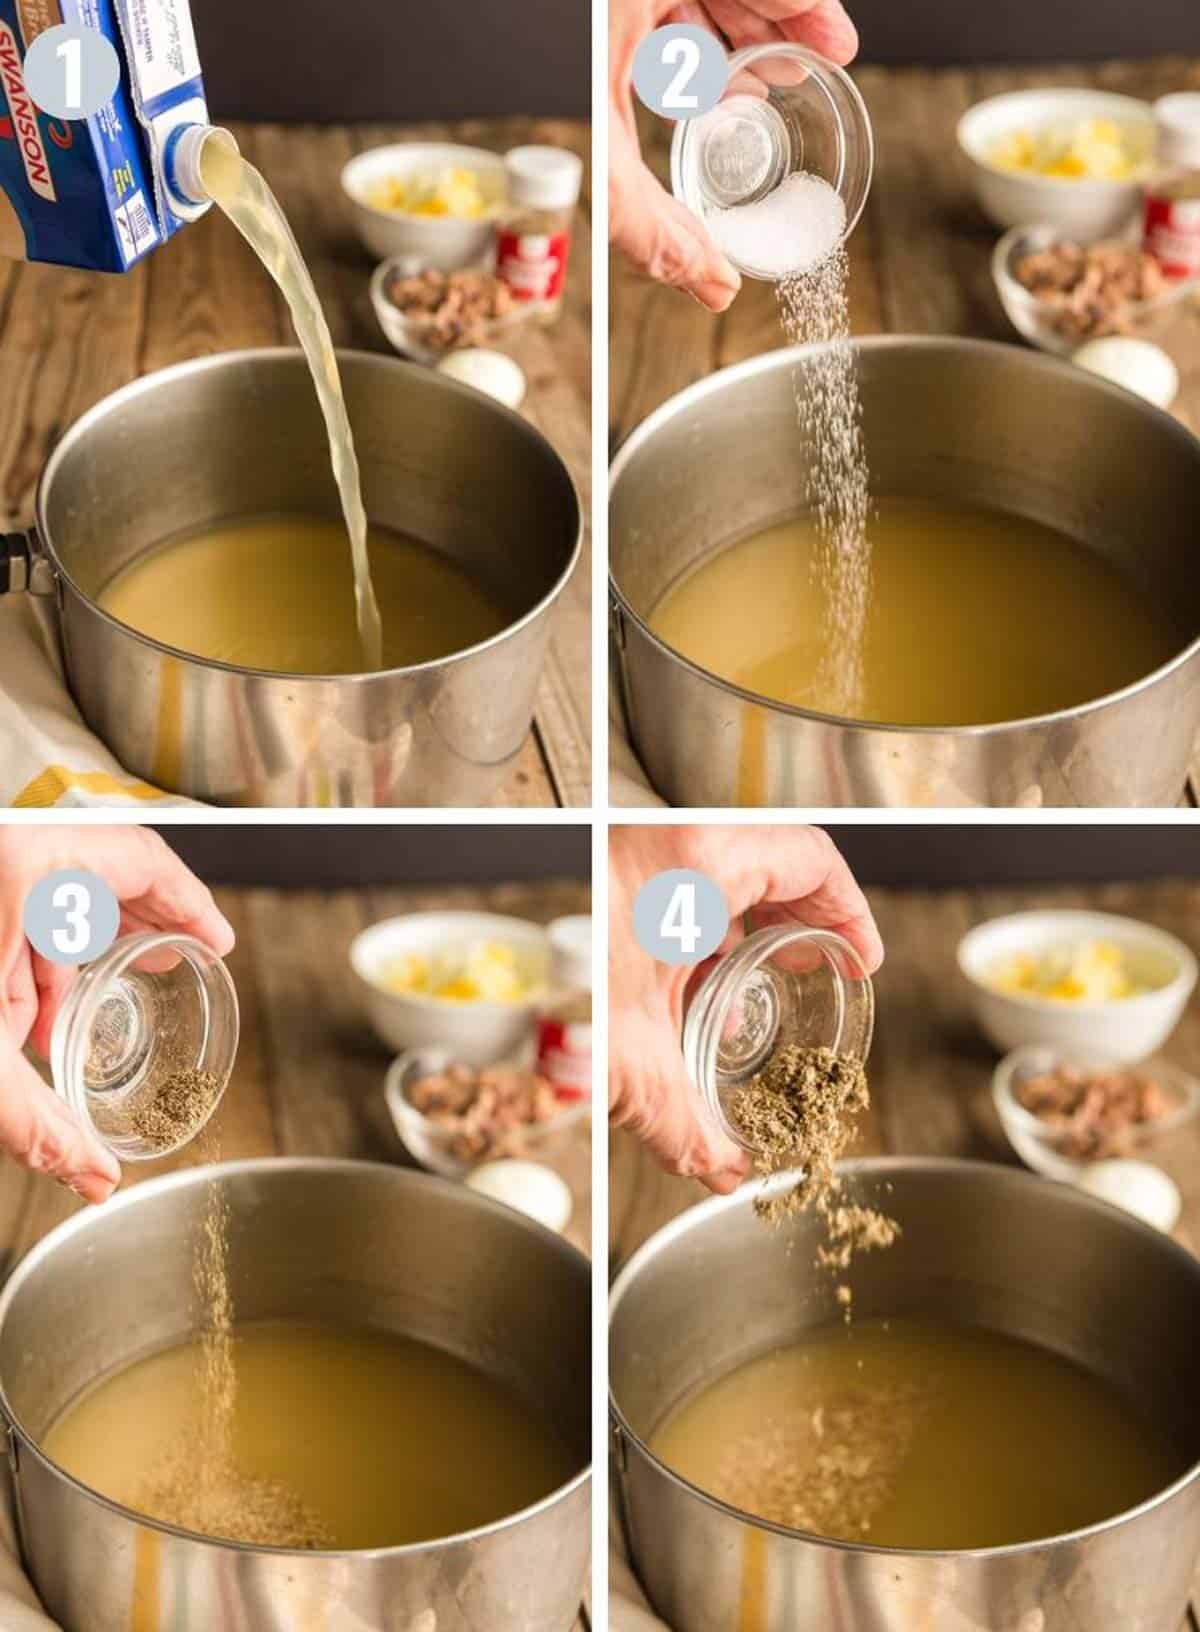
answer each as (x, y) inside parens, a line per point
(183, 166)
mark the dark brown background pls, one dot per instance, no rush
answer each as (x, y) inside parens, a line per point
(338, 61)
(324, 857)
(961, 857)
(299, 60)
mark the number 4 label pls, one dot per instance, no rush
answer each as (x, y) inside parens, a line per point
(680, 916)
(679, 920)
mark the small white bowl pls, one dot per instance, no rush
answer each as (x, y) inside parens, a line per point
(476, 1033)
(426, 240)
(1081, 208)
(1119, 1031)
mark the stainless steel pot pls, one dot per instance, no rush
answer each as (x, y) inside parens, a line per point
(943, 418)
(241, 434)
(981, 1244)
(327, 1240)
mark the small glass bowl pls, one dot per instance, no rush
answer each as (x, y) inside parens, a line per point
(778, 987)
(431, 1143)
(1040, 1146)
(785, 110)
(408, 335)
(150, 1007)
(1141, 319)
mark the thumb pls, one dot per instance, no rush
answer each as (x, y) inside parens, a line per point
(662, 238)
(43, 1134)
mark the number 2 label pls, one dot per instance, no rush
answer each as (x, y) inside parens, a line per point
(686, 53)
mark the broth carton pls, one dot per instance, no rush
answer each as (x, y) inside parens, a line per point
(93, 192)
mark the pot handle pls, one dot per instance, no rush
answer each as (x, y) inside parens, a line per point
(24, 567)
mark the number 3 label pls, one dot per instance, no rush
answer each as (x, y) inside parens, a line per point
(71, 917)
(680, 916)
(72, 901)
(680, 71)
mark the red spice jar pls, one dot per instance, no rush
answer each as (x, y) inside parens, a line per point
(534, 240)
(1172, 224)
(564, 1025)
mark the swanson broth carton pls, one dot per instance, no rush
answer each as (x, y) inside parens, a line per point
(94, 192)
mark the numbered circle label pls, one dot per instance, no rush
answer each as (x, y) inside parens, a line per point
(680, 916)
(680, 71)
(71, 916)
(71, 72)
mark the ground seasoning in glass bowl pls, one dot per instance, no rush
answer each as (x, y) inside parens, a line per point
(776, 1039)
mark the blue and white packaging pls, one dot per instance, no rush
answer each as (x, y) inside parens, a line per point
(91, 192)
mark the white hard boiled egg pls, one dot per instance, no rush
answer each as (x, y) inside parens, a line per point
(488, 371)
(1138, 1187)
(1140, 367)
(528, 1187)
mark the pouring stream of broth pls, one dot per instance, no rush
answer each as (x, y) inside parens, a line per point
(238, 188)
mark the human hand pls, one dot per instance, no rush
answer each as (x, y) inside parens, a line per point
(787, 875)
(156, 892)
(662, 238)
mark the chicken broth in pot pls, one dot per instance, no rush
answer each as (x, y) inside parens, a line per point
(340, 1438)
(918, 1434)
(277, 593)
(973, 617)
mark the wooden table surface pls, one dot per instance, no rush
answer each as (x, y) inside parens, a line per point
(919, 258)
(68, 338)
(930, 1067)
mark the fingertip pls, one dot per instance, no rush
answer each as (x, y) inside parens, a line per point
(714, 297)
(724, 1182)
(93, 1188)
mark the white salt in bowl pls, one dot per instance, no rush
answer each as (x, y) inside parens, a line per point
(1079, 207)
(1117, 1031)
(789, 119)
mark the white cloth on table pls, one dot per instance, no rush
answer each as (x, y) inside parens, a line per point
(49, 759)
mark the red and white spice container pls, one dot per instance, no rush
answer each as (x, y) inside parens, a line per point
(533, 241)
(564, 1021)
(1172, 221)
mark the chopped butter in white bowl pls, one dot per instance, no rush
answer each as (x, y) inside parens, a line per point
(465, 981)
(1033, 979)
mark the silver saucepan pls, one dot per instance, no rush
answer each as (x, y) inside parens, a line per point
(240, 434)
(962, 420)
(347, 1242)
(984, 1245)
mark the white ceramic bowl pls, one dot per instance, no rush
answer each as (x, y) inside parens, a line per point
(1082, 209)
(439, 240)
(429, 1142)
(1120, 1031)
(476, 1033)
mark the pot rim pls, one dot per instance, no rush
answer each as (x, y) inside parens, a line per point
(273, 356)
(785, 356)
(191, 1176)
(878, 1167)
